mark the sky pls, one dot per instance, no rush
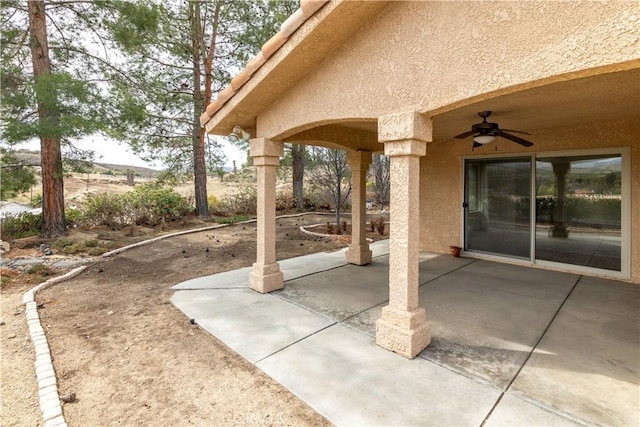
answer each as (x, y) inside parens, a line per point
(111, 151)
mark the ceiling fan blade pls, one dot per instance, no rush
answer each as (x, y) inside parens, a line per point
(515, 131)
(475, 145)
(465, 135)
(514, 138)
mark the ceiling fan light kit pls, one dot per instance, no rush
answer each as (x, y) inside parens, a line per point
(484, 139)
(486, 132)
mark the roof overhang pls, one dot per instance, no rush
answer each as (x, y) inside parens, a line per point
(318, 36)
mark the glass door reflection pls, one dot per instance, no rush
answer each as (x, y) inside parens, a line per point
(497, 206)
(579, 210)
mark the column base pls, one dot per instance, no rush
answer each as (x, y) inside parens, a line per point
(404, 332)
(359, 254)
(266, 278)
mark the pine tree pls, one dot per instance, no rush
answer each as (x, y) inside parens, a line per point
(173, 72)
(46, 92)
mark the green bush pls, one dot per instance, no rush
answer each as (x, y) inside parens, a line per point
(147, 204)
(21, 225)
(231, 219)
(583, 210)
(72, 217)
(41, 269)
(593, 210)
(67, 246)
(104, 209)
(36, 201)
(71, 247)
(97, 251)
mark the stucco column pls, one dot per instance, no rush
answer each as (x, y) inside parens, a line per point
(358, 252)
(403, 327)
(266, 275)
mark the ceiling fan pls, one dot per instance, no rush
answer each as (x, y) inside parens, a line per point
(486, 132)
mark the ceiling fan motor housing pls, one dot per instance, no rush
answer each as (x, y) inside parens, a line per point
(485, 128)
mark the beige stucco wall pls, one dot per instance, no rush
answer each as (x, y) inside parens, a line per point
(406, 55)
(441, 177)
(434, 57)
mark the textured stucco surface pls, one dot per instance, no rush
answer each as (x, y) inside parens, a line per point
(549, 66)
(405, 58)
(266, 275)
(441, 176)
(403, 327)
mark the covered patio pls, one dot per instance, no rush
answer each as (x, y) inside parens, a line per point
(406, 78)
(511, 345)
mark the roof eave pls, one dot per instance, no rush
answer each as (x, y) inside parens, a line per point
(265, 79)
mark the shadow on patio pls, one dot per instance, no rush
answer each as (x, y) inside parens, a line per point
(510, 345)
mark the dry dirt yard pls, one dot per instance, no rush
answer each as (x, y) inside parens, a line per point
(131, 357)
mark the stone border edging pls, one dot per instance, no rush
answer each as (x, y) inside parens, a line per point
(196, 230)
(303, 229)
(45, 374)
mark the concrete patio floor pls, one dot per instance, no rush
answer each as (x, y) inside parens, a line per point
(511, 345)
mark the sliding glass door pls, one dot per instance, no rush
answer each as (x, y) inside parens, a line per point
(497, 207)
(579, 210)
(577, 216)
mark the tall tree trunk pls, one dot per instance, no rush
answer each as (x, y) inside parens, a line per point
(53, 222)
(297, 160)
(198, 134)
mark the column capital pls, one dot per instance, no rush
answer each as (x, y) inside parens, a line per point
(358, 160)
(408, 147)
(403, 126)
(263, 147)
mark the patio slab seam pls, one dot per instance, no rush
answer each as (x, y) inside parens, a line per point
(462, 373)
(213, 289)
(533, 349)
(366, 309)
(329, 269)
(294, 343)
(555, 411)
(446, 273)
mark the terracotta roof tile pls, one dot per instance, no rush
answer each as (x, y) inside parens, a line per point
(292, 23)
(309, 7)
(273, 44)
(211, 108)
(255, 63)
(288, 27)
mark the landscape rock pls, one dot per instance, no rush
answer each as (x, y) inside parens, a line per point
(45, 249)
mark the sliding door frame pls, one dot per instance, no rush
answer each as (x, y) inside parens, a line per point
(625, 244)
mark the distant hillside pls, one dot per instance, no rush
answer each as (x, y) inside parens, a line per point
(140, 170)
(32, 158)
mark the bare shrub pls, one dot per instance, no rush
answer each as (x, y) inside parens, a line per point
(331, 229)
(284, 199)
(380, 225)
(244, 202)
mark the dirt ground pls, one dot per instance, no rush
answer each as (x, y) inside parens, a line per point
(131, 357)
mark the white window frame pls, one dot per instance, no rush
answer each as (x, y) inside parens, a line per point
(625, 244)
